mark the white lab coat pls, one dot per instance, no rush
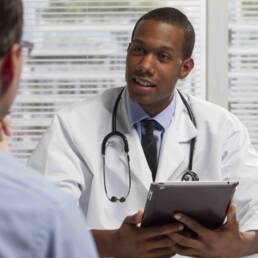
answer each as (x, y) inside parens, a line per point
(70, 155)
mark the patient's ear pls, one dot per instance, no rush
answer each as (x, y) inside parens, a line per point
(10, 65)
(6, 76)
(8, 70)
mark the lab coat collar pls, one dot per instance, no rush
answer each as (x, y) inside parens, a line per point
(184, 126)
(172, 156)
(180, 133)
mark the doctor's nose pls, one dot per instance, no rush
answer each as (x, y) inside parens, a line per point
(146, 64)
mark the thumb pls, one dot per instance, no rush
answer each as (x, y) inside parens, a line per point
(134, 219)
(6, 126)
(231, 215)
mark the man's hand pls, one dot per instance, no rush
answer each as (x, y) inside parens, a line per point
(150, 242)
(132, 241)
(5, 130)
(225, 242)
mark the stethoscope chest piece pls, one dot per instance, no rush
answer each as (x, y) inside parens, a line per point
(189, 175)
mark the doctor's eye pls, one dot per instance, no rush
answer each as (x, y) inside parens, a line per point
(164, 57)
(137, 49)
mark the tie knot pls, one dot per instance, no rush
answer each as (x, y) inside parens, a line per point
(149, 125)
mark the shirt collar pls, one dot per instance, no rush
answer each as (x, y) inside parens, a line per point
(136, 113)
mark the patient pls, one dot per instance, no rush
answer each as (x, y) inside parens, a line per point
(36, 219)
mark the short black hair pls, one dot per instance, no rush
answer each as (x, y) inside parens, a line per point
(11, 23)
(172, 16)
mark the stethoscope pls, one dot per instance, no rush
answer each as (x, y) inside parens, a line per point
(189, 174)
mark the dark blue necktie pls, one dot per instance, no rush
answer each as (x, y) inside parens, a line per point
(149, 145)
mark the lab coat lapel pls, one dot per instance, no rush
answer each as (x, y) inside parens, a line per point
(139, 166)
(174, 153)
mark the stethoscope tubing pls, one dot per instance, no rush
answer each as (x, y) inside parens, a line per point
(193, 140)
(189, 175)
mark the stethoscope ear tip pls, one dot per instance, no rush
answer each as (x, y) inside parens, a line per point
(115, 199)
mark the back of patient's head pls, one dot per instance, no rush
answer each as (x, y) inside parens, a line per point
(11, 23)
(175, 17)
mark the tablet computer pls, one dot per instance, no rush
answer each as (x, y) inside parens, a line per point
(206, 202)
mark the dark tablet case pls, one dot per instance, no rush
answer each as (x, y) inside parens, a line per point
(206, 202)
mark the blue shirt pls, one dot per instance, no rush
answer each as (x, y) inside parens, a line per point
(136, 114)
(37, 220)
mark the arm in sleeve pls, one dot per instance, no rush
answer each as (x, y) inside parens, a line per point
(57, 158)
(240, 163)
(69, 235)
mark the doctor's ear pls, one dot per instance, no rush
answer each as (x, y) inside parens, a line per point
(186, 67)
(128, 48)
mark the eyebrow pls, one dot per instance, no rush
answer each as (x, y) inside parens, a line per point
(170, 49)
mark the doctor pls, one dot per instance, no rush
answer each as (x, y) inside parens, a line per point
(110, 189)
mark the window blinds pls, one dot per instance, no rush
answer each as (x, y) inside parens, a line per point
(243, 63)
(79, 50)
